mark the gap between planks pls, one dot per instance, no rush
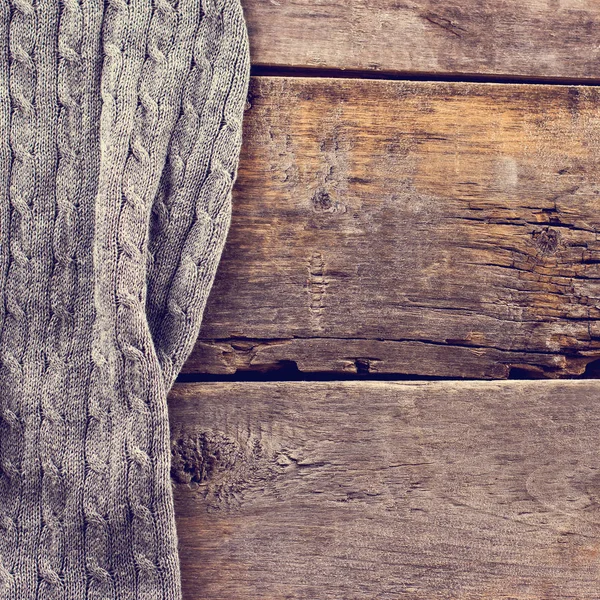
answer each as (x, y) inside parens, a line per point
(338, 73)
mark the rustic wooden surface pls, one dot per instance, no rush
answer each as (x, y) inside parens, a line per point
(536, 38)
(363, 490)
(417, 229)
(430, 229)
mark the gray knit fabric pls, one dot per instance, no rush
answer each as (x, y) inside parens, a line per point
(120, 133)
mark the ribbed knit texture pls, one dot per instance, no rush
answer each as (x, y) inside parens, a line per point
(120, 133)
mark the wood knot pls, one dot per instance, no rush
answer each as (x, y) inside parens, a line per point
(546, 240)
(198, 458)
(323, 202)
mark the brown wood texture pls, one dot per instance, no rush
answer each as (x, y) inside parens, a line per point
(430, 229)
(388, 490)
(536, 38)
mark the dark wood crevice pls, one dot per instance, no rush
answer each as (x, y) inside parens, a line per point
(259, 70)
(287, 370)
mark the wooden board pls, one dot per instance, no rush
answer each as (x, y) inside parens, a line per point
(537, 38)
(362, 490)
(430, 229)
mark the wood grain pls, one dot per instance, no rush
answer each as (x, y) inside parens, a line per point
(537, 38)
(430, 229)
(362, 490)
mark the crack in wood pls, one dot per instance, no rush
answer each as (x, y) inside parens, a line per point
(443, 23)
(317, 286)
(297, 354)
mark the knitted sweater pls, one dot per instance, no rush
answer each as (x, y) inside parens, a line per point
(120, 132)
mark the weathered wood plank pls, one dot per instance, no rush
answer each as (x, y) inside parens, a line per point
(442, 229)
(363, 490)
(537, 38)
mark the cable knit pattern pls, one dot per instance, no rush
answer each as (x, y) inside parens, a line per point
(15, 325)
(195, 192)
(60, 342)
(121, 127)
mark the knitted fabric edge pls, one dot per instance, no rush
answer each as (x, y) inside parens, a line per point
(121, 128)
